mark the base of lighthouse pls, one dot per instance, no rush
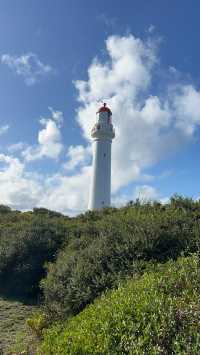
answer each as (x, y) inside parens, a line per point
(101, 178)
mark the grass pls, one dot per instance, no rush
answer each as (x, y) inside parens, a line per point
(13, 317)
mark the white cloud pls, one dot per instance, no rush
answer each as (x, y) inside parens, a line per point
(24, 190)
(153, 113)
(165, 200)
(28, 66)
(148, 128)
(68, 194)
(4, 129)
(17, 188)
(49, 139)
(57, 116)
(123, 78)
(77, 156)
(146, 193)
(186, 102)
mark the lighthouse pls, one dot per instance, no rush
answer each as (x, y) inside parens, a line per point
(102, 134)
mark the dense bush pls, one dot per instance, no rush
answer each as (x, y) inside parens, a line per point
(91, 252)
(82, 258)
(119, 244)
(27, 241)
(159, 313)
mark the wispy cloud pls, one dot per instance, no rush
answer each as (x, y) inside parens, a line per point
(4, 129)
(28, 66)
(16, 147)
(107, 20)
(151, 29)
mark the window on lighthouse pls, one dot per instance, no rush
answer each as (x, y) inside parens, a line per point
(104, 154)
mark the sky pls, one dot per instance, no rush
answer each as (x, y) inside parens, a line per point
(58, 60)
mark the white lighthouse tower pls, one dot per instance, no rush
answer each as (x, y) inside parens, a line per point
(102, 134)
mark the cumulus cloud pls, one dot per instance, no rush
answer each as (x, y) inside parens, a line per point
(4, 129)
(148, 128)
(49, 139)
(68, 194)
(28, 66)
(22, 189)
(77, 156)
(186, 103)
(17, 188)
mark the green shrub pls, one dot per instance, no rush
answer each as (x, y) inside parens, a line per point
(37, 323)
(111, 248)
(92, 251)
(24, 248)
(159, 313)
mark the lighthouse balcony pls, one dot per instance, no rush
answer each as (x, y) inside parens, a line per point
(103, 131)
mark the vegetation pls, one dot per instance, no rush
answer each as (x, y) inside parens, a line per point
(65, 264)
(27, 241)
(119, 244)
(158, 313)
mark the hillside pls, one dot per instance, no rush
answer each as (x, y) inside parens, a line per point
(158, 313)
(65, 265)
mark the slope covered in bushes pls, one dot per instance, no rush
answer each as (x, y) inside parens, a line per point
(119, 244)
(91, 252)
(69, 262)
(158, 313)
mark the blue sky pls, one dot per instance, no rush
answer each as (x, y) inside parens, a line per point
(57, 59)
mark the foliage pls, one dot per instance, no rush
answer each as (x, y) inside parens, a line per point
(158, 313)
(27, 241)
(110, 245)
(79, 259)
(37, 323)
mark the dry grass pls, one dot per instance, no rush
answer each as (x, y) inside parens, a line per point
(13, 317)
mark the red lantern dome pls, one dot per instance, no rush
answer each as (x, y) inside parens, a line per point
(104, 108)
